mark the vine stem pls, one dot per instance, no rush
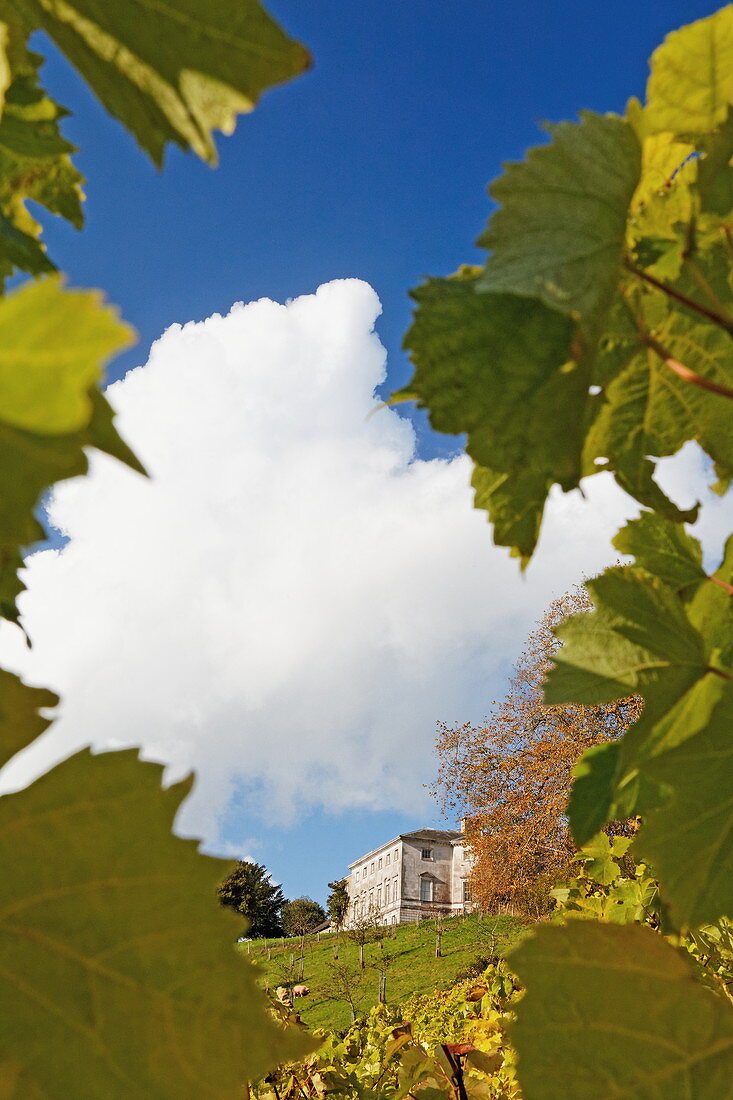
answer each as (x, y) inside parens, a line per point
(697, 307)
(684, 372)
(723, 584)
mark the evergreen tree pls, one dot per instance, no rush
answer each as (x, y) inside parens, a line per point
(301, 916)
(249, 891)
(338, 902)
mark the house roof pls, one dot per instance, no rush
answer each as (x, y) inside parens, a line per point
(438, 836)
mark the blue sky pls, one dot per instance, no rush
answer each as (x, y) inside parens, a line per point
(373, 165)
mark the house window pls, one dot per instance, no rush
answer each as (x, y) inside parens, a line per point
(426, 889)
(371, 899)
(371, 869)
(387, 860)
(379, 897)
(379, 864)
(427, 853)
(357, 876)
(466, 890)
(363, 873)
(395, 894)
(396, 855)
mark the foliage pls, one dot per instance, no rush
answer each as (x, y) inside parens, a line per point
(337, 902)
(399, 1050)
(300, 916)
(509, 778)
(598, 338)
(249, 891)
(118, 972)
(146, 993)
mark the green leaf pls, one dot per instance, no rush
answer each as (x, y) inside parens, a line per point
(715, 173)
(613, 1010)
(21, 250)
(691, 80)
(647, 410)
(639, 639)
(20, 722)
(662, 548)
(500, 368)
(688, 839)
(53, 345)
(559, 232)
(172, 72)
(592, 792)
(34, 164)
(599, 857)
(515, 503)
(118, 972)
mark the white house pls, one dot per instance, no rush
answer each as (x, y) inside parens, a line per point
(413, 876)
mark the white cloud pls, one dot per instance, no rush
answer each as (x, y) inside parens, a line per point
(293, 600)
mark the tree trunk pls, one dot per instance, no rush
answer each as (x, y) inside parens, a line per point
(361, 956)
(382, 989)
(438, 945)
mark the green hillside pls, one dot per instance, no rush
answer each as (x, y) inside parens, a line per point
(413, 969)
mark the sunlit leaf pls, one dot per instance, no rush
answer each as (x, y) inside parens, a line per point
(662, 548)
(20, 722)
(500, 368)
(172, 72)
(691, 80)
(53, 346)
(34, 164)
(118, 972)
(613, 1010)
(558, 234)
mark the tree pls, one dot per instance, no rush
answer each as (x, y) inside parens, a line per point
(249, 891)
(510, 777)
(346, 984)
(301, 916)
(363, 928)
(338, 902)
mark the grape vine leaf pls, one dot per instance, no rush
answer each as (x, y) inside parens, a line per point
(668, 641)
(691, 80)
(687, 839)
(53, 345)
(34, 164)
(559, 232)
(20, 722)
(664, 549)
(500, 367)
(172, 72)
(61, 339)
(715, 172)
(616, 1011)
(591, 795)
(118, 971)
(638, 639)
(647, 410)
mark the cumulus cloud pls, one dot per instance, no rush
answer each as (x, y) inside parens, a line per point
(293, 599)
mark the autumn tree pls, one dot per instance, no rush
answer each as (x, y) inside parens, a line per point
(510, 777)
(249, 891)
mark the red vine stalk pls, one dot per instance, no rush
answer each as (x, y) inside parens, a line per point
(683, 372)
(697, 307)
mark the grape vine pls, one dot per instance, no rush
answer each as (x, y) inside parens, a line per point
(597, 337)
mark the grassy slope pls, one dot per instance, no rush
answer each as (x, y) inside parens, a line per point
(414, 969)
